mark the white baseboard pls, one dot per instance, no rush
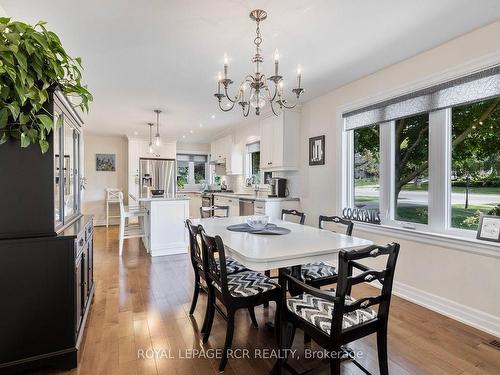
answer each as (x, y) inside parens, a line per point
(457, 311)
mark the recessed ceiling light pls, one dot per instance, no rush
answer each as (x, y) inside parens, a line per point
(183, 137)
(201, 125)
(212, 117)
(191, 131)
(136, 133)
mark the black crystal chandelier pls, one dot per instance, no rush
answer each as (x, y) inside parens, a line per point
(254, 90)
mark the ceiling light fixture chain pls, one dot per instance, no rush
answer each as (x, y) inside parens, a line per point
(254, 90)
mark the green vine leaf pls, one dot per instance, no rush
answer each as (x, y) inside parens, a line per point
(46, 121)
(44, 145)
(25, 140)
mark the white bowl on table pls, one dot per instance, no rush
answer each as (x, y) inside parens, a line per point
(257, 221)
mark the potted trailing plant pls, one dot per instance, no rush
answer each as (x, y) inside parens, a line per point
(33, 62)
(34, 69)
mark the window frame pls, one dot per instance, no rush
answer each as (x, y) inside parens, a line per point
(191, 175)
(439, 192)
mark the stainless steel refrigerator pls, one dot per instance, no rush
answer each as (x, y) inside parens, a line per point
(157, 177)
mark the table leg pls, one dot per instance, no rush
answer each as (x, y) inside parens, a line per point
(296, 272)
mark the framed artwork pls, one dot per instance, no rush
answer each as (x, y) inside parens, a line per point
(105, 162)
(489, 228)
(317, 150)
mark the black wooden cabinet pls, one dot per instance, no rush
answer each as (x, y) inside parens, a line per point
(46, 249)
(46, 289)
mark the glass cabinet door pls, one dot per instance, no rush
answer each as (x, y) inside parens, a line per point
(57, 168)
(68, 171)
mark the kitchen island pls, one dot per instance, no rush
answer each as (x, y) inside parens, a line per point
(164, 225)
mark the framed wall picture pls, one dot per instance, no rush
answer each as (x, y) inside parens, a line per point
(317, 150)
(489, 228)
(105, 162)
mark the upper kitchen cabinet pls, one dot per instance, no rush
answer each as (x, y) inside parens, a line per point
(279, 142)
(225, 153)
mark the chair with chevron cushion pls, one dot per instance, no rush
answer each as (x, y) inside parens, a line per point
(241, 290)
(232, 266)
(322, 273)
(335, 318)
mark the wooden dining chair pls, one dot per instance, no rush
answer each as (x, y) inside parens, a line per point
(321, 273)
(245, 289)
(301, 216)
(214, 211)
(334, 318)
(195, 254)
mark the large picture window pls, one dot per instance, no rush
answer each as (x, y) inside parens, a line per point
(475, 175)
(429, 160)
(411, 177)
(366, 168)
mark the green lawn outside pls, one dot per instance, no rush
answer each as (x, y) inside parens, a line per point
(455, 189)
(425, 187)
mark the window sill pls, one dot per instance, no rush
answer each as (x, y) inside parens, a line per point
(465, 244)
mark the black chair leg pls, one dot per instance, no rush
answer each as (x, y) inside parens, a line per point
(335, 365)
(251, 311)
(285, 341)
(382, 351)
(195, 294)
(229, 340)
(207, 313)
(210, 316)
(307, 338)
(268, 274)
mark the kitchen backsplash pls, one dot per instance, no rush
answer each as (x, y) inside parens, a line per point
(237, 182)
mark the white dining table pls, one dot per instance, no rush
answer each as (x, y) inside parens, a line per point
(260, 252)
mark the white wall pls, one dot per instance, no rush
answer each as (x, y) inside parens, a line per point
(94, 195)
(446, 277)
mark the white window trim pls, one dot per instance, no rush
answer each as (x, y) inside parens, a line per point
(458, 239)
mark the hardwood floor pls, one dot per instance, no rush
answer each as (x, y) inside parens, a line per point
(141, 304)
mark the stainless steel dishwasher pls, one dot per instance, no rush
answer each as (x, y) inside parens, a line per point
(246, 207)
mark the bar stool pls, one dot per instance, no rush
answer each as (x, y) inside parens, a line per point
(111, 197)
(127, 229)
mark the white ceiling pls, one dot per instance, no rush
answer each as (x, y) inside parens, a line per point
(144, 54)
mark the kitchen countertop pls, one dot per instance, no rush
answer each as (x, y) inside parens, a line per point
(178, 197)
(249, 196)
(255, 198)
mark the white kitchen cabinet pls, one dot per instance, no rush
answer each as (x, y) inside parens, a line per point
(279, 142)
(194, 204)
(224, 150)
(220, 149)
(232, 202)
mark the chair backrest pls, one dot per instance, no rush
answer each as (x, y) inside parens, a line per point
(194, 245)
(112, 195)
(300, 215)
(122, 207)
(215, 272)
(348, 260)
(214, 211)
(348, 224)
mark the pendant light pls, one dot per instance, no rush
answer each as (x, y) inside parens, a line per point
(150, 124)
(157, 136)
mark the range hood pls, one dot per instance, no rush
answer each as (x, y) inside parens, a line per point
(218, 162)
